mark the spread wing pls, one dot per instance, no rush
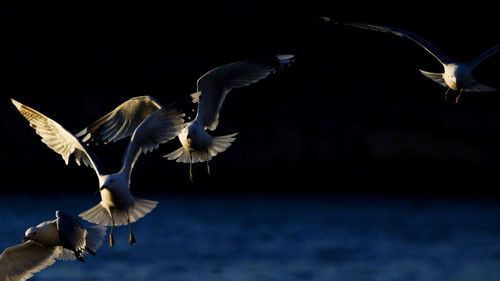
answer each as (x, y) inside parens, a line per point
(57, 138)
(20, 262)
(486, 54)
(436, 77)
(478, 87)
(160, 127)
(429, 47)
(214, 85)
(121, 122)
(71, 233)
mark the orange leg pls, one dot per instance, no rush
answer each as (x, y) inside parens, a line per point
(131, 238)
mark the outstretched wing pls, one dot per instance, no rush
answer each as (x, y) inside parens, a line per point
(486, 54)
(121, 122)
(429, 47)
(160, 127)
(478, 87)
(214, 85)
(57, 138)
(71, 233)
(436, 77)
(20, 262)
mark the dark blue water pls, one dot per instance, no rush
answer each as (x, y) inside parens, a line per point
(281, 238)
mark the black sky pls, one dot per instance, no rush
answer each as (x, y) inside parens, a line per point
(352, 115)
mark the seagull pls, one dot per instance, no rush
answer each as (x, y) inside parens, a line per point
(117, 206)
(61, 239)
(457, 76)
(212, 88)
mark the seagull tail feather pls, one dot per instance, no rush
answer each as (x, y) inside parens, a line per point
(97, 214)
(217, 145)
(178, 154)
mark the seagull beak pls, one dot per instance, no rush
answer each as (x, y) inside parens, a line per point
(25, 239)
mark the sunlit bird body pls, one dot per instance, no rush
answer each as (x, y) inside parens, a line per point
(61, 239)
(456, 76)
(117, 206)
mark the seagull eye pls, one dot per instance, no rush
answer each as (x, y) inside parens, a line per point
(111, 181)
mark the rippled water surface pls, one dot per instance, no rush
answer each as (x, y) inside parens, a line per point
(280, 238)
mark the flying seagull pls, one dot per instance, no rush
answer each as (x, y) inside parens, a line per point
(457, 76)
(117, 206)
(212, 88)
(61, 239)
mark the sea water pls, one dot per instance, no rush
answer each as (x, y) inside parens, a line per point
(279, 237)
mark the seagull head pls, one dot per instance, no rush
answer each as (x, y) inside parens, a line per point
(197, 137)
(195, 130)
(30, 234)
(107, 183)
(110, 181)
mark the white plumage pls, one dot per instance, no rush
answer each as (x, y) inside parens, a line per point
(212, 89)
(456, 76)
(61, 239)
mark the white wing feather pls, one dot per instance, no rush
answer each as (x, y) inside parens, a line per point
(120, 122)
(20, 262)
(57, 138)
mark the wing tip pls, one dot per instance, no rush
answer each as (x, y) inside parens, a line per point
(82, 132)
(285, 59)
(87, 137)
(17, 104)
(369, 26)
(325, 19)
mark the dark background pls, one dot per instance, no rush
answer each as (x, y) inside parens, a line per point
(353, 114)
